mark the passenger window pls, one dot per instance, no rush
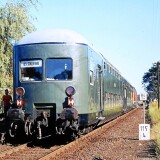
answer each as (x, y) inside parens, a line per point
(91, 77)
(59, 69)
(31, 70)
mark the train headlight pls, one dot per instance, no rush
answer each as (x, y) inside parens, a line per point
(20, 91)
(70, 91)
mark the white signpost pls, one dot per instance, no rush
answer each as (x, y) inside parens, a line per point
(143, 96)
(144, 129)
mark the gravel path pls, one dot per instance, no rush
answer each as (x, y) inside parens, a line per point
(120, 142)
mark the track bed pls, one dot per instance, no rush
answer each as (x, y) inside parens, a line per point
(115, 140)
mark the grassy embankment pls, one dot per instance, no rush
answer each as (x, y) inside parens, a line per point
(154, 114)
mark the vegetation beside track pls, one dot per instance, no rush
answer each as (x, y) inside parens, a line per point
(154, 115)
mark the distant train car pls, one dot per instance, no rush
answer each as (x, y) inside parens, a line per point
(62, 85)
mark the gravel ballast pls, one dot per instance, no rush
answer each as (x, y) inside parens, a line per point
(119, 142)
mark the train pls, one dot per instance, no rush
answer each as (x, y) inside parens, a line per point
(63, 85)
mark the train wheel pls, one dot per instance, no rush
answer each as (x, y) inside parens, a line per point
(3, 140)
(87, 130)
(12, 130)
(73, 136)
(26, 128)
(29, 128)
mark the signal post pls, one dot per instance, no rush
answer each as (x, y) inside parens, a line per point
(144, 129)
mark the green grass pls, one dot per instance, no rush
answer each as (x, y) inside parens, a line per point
(154, 114)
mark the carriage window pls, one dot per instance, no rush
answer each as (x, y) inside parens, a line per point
(59, 69)
(31, 70)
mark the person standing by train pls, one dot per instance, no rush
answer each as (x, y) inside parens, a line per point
(6, 102)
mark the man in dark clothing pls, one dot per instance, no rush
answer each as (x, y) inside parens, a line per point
(6, 102)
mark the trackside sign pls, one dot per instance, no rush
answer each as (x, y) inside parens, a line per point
(143, 96)
(144, 131)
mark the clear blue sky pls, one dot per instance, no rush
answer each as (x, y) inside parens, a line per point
(127, 32)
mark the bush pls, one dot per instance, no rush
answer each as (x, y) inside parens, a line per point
(154, 114)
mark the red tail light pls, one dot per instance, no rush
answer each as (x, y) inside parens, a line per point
(20, 102)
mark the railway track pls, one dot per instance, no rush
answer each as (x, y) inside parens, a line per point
(47, 149)
(25, 152)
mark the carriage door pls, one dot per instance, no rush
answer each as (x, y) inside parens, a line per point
(100, 90)
(125, 99)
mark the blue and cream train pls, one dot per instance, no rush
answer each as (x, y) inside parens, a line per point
(63, 85)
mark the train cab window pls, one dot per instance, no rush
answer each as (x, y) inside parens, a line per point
(59, 69)
(31, 70)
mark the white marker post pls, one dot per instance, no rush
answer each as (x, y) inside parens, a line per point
(144, 129)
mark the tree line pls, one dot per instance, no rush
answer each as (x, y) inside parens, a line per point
(151, 81)
(15, 22)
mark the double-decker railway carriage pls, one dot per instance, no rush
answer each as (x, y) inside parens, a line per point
(62, 85)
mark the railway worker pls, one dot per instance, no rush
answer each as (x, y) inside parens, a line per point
(6, 102)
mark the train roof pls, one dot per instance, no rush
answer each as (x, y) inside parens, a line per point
(53, 36)
(57, 36)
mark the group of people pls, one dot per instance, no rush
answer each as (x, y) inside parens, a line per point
(6, 102)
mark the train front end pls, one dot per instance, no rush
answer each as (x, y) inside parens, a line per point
(44, 87)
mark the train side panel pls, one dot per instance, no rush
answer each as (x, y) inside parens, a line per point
(95, 83)
(112, 91)
(104, 87)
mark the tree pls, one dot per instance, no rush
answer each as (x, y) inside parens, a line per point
(150, 81)
(15, 22)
